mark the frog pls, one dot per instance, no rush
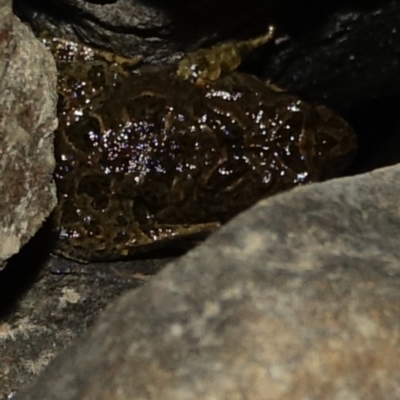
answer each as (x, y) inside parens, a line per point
(147, 157)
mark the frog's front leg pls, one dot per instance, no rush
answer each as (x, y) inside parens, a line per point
(69, 51)
(209, 64)
(85, 245)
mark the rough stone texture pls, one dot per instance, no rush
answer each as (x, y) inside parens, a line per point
(345, 57)
(5, 29)
(155, 29)
(62, 301)
(27, 119)
(297, 298)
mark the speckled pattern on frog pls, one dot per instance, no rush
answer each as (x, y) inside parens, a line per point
(145, 157)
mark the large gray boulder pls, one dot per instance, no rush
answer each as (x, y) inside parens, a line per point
(297, 298)
(27, 120)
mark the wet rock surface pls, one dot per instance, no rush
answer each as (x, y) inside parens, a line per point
(27, 120)
(296, 298)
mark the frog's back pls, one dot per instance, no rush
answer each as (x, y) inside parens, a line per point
(163, 159)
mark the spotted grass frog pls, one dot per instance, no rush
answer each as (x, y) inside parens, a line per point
(150, 156)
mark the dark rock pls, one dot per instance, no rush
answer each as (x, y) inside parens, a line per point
(62, 301)
(297, 298)
(342, 58)
(155, 29)
(27, 120)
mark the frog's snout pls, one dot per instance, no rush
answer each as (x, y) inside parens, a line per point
(335, 143)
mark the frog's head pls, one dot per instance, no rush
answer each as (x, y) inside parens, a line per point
(328, 142)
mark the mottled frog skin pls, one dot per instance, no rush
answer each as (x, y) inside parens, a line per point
(148, 157)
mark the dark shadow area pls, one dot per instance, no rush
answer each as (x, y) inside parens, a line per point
(192, 19)
(195, 19)
(377, 126)
(148, 263)
(22, 271)
(35, 259)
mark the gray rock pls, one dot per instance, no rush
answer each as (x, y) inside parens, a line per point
(27, 120)
(5, 26)
(297, 298)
